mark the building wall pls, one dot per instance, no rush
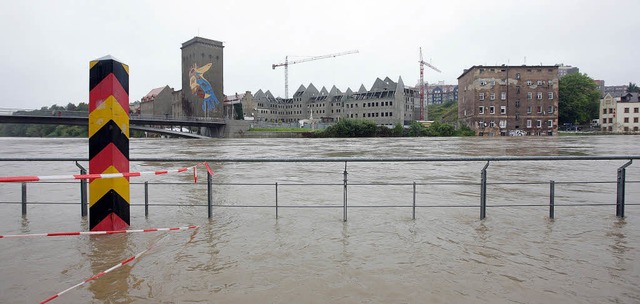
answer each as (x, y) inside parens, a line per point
(386, 103)
(620, 115)
(198, 53)
(509, 100)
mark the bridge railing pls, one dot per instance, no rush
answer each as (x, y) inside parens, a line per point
(346, 184)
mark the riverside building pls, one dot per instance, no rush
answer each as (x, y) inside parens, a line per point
(509, 100)
(386, 103)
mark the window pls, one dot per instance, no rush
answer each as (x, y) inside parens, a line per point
(604, 121)
(539, 123)
(503, 110)
(503, 96)
(539, 109)
(481, 97)
(604, 111)
(550, 95)
(550, 109)
(550, 123)
(626, 110)
(518, 76)
(492, 110)
(481, 110)
(517, 103)
(626, 119)
(528, 123)
(483, 82)
(492, 96)
(529, 110)
(529, 95)
(492, 124)
(529, 82)
(610, 120)
(481, 124)
(539, 82)
(539, 95)
(635, 119)
(612, 111)
(636, 110)
(517, 89)
(503, 124)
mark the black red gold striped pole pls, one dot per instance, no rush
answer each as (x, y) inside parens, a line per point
(108, 144)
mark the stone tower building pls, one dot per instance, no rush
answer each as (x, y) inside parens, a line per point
(202, 78)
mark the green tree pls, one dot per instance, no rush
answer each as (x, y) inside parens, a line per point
(579, 99)
(633, 88)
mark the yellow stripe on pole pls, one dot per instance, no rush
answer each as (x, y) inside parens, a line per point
(110, 109)
(101, 186)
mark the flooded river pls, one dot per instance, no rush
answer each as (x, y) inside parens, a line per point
(243, 254)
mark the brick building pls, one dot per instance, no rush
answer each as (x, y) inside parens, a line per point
(509, 100)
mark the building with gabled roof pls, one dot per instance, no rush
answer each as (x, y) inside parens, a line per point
(386, 103)
(158, 102)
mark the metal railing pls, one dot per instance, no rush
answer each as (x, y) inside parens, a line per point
(620, 182)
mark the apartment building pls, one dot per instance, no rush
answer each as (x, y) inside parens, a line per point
(620, 114)
(509, 100)
(386, 103)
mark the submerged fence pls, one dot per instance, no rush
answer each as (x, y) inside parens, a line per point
(621, 182)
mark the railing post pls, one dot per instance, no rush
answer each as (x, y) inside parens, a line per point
(276, 200)
(552, 195)
(24, 199)
(146, 199)
(83, 191)
(414, 200)
(621, 189)
(483, 192)
(209, 195)
(344, 199)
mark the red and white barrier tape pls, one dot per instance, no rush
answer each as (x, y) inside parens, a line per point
(119, 264)
(13, 236)
(18, 179)
(96, 276)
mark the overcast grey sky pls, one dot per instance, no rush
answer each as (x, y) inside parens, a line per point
(47, 45)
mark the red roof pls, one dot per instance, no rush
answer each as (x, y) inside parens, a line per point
(152, 94)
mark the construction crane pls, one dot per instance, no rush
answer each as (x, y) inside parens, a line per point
(424, 114)
(286, 64)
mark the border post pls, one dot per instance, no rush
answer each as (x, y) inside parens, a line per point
(108, 144)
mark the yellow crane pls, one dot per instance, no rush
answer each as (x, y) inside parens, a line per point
(424, 115)
(286, 64)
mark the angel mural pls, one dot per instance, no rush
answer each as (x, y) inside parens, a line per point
(201, 87)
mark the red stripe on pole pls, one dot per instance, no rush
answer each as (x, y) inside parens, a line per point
(183, 169)
(161, 172)
(107, 87)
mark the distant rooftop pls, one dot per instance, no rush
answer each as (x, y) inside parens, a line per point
(197, 39)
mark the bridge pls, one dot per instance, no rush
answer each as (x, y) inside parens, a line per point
(212, 127)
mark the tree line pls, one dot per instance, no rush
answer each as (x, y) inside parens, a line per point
(37, 130)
